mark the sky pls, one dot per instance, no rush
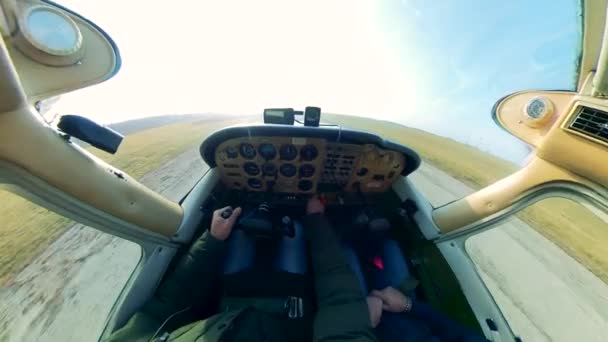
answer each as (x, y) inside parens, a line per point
(436, 65)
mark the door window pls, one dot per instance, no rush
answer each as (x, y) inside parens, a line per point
(58, 279)
(547, 270)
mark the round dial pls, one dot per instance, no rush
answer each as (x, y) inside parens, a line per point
(251, 169)
(232, 152)
(247, 151)
(309, 152)
(288, 152)
(267, 151)
(538, 111)
(537, 108)
(307, 170)
(304, 185)
(362, 172)
(254, 183)
(269, 169)
(288, 170)
(51, 31)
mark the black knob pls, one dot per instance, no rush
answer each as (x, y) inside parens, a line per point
(362, 172)
(226, 213)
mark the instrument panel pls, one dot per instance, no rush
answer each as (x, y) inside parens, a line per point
(286, 164)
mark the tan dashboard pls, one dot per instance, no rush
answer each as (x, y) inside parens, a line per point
(300, 164)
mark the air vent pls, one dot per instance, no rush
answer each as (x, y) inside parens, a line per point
(591, 122)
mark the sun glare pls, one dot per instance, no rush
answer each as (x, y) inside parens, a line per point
(243, 56)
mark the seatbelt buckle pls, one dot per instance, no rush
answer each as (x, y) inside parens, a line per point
(294, 306)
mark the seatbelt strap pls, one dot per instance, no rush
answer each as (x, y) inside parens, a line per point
(291, 307)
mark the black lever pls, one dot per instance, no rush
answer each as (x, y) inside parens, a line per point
(102, 137)
(226, 213)
(287, 227)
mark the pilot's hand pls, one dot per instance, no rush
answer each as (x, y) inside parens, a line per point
(393, 300)
(314, 206)
(374, 305)
(221, 225)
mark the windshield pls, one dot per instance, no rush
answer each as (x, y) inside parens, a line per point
(435, 65)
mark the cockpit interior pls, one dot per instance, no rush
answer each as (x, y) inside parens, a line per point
(269, 173)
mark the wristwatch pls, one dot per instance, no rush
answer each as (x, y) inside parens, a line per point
(408, 304)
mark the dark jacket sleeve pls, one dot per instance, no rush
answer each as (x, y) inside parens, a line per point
(342, 310)
(190, 281)
(441, 325)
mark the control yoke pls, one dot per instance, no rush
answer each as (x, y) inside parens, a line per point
(259, 222)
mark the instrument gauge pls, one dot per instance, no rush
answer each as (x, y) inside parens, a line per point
(269, 169)
(538, 111)
(309, 152)
(267, 151)
(232, 152)
(254, 183)
(307, 170)
(49, 36)
(251, 169)
(288, 170)
(247, 151)
(362, 172)
(305, 185)
(288, 152)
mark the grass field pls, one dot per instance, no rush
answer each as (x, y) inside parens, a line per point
(28, 229)
(572, 227)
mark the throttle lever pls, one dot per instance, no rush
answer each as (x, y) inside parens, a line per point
(226, 213)
(287, 227)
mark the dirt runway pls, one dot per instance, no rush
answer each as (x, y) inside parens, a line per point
(68, 291)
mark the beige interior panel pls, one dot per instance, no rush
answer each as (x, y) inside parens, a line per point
(501, 195)
(383, 168)
(562, 155)
(99, 62)
(28, 143)
(556, 144)
(572, 151)
(594, 16)
(510, 113)
(11, 94)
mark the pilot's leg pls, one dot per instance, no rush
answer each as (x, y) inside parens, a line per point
(397, 327)
(355, 265)
(240, 253)
(394, 268)
(291, 253)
